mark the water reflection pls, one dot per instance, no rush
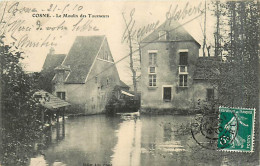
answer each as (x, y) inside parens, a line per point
(51, 137)
(111, 140)
(128, 148)
(101, 140)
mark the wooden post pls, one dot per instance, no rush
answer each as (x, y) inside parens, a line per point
(50, 135)
(57, 115)
(63, 118)
(57, 131)
(63, 122)
(63, 130)
(51, 116)
(42, 117)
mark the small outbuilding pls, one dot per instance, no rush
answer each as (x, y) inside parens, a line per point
(54, 106)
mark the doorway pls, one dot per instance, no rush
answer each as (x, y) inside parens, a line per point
(167, 93)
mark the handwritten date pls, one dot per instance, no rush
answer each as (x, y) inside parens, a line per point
(17, 8)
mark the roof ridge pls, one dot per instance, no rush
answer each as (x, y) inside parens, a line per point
(81, 56)
(102, 43)
(176, 32)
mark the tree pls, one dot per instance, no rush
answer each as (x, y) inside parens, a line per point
(131, 54)
(238, 39)
(240, 71)
(133, 37)
(21, 125)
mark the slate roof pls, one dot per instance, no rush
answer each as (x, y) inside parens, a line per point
(175, 31)
(50, 101)
(81, 57)
(52, 61)
(206, 68)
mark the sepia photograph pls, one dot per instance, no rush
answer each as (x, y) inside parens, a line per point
(129, 83)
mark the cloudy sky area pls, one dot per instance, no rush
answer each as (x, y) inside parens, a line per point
(20, 15)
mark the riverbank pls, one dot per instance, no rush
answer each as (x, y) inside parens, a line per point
(147, 111)
(169, 111)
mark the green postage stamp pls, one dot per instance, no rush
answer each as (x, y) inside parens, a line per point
(236, 129)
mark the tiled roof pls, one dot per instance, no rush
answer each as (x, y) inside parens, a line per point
(206, 68)
(175, 31)
(81, 56)
(50, 101)
(52, 61)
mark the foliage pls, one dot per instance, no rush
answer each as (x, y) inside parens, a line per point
(45, 80)
(236, 53)
(19, 110)
(239, 73)
(236, 44)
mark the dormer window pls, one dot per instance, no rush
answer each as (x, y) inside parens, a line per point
(162, 35)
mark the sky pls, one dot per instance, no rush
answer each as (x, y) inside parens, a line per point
(20, 24)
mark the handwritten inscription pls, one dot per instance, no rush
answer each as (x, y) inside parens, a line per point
(25, 41)
(177, 14)
(16, 9)
(15, 25)
(80, 26)
(137, 33)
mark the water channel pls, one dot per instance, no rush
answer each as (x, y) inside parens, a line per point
(99, 140)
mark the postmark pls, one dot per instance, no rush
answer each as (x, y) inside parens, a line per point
(236, 129)
(206, 131)
(231, 129)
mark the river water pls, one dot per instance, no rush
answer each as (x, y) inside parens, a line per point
(99, 140)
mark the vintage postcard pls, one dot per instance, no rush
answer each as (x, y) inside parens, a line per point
(129, 83)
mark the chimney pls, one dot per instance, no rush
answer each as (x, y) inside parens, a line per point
(52, 51)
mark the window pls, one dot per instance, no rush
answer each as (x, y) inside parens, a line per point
(152, 79)
(162, 35)
(61, 95)
(183, 69)
(183, 80)
(167, 93)
(152, 58)
(152, 76)
(210, 94)
(183, 58)
(151, 69)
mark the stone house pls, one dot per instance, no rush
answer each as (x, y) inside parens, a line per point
(87, 75)
(169, 61)
(47, 73)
